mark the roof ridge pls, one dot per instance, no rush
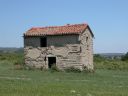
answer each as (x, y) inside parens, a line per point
(34, 28)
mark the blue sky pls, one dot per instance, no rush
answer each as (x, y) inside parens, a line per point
(108, 20)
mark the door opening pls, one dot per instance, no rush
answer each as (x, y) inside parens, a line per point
(51, 61)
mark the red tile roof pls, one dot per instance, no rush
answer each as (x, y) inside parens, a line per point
(56, 30)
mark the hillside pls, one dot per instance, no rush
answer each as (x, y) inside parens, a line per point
(11, 50)
(112, 55)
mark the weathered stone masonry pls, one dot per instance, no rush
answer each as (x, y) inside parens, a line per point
(69, 50)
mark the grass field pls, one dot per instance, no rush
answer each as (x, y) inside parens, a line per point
(45, 83)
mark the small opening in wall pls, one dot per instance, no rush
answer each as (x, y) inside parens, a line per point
(51, 61)
(43, 42)
(87, 47)
(86, 39)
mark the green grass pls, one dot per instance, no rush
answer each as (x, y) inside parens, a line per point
(44, 83)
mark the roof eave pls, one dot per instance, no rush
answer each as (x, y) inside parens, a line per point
(91, 31)
(35, 35)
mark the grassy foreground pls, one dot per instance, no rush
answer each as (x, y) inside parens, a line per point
(41, 83)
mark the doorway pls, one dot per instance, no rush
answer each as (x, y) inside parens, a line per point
(51, 61)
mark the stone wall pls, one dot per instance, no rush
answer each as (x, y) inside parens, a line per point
(65, 56)
(86, 44)
(58, 40)
(31, 41)
(78, 53)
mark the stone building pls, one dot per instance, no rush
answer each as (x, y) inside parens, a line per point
(65, 46)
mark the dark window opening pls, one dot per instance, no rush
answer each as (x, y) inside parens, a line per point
(51, 61)
(86, 39)
(87, 43)
(43, 42)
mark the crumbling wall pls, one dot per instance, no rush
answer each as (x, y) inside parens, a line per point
(86, 43)
(65, 56)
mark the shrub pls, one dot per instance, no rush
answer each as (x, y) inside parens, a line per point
(54, 68)
(18, 67)
(86, 70)
(72, 69)
(98, 58)
(112, 65)
(19, 64)
(125, 57)
(26, 67)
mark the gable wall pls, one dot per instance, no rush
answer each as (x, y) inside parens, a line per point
(87, 49)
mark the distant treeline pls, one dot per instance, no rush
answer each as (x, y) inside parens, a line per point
(11, 50)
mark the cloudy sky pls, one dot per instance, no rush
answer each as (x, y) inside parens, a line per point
(108, 20)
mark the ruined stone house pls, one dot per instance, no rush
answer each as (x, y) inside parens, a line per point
(65, 46)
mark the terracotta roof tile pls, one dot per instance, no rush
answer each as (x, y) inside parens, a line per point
(56, 30)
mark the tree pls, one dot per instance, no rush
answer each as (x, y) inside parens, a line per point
(125, 57)
(98, 58)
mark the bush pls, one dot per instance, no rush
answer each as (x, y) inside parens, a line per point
(18, 67)
(112, 65)
(86, 70)
(125, 57)
(72, 69)
(26, 67)
(19, 64)
(98, 58)
(54, 68)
